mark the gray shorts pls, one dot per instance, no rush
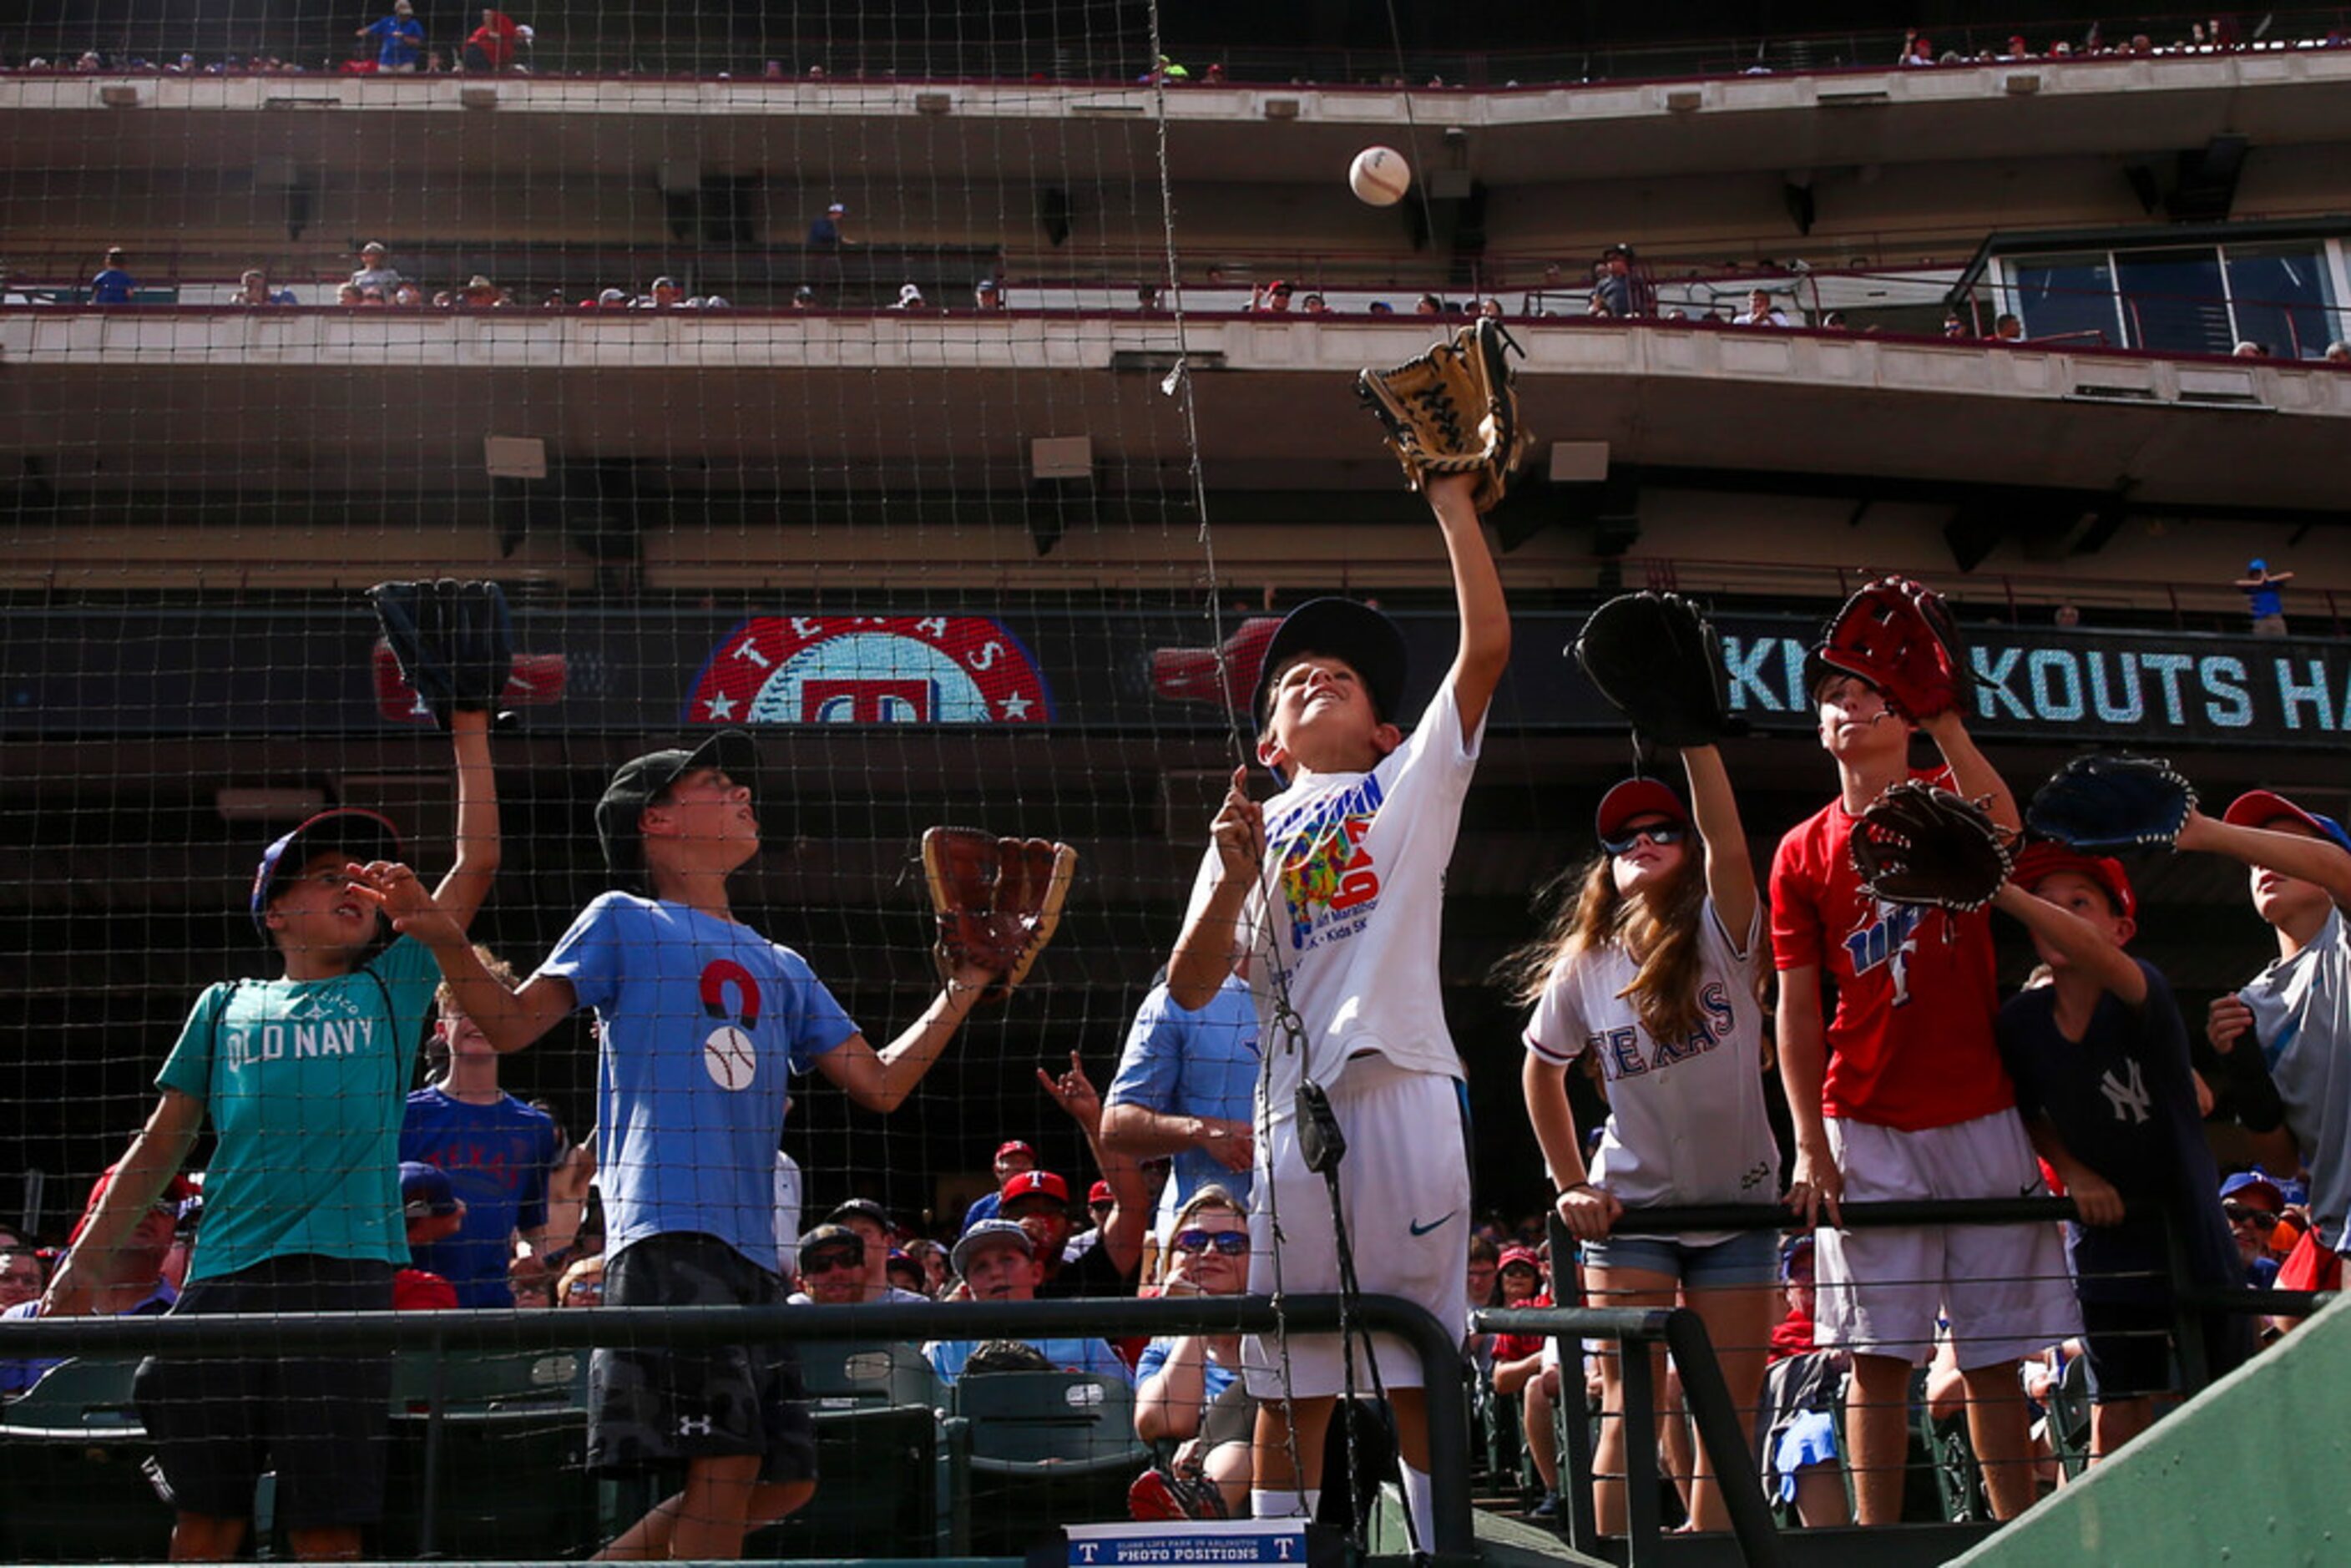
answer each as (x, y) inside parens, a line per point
(655, 1404)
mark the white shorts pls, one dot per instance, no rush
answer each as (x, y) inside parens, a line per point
(1404, 1189)
(2004, 1288)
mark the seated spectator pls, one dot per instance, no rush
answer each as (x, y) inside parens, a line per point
(986, 296)
(1526, 1368)
(1835, 321)
(1274, 295)
(665, 295)
(2006, 327)
(865, 1218)
(1100, 1202)
(407, 295)
(23, 1275)
(1382, 307)
(1012, 1157)
(1804, 1393)
(998, 1263)
(1429, 305)
(1954, 326)
(803, 298)
(2254, 1205)
(2338, 352)
(253, 288)
(1146, 298)
(831, 1268)
(348, 295)
(1187, 1386)
(373, 272)
(931, 1258)
(434, 1213)
(1485, 1270)
(612, 300)
(134, 1285)
(2250, 349)
(113, 285)
(492, 45)
(906, 1274)
(1315, 305)
(1490, 308)
(910, 297)
(1761, 311)
(582, 1284)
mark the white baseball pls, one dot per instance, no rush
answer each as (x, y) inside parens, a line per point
(729, 1059)
(1380, 176)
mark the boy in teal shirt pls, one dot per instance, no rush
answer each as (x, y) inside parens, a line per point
(304, 1080)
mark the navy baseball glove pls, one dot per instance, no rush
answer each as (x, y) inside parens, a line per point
(454, 641)
(2107, 801)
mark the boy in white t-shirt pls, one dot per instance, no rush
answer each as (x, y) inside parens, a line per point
(1331, 891)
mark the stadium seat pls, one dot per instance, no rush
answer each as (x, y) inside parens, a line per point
(488, 1458)
(72, 1448)
(884, 1490)
(1056, 1445)
(853, 1375)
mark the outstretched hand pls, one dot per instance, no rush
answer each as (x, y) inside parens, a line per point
(405, 901)
(1239, 831)
(1074, 1092)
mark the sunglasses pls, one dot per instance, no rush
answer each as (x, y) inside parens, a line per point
(1231, 1243)
(825, 1262)
(1665, 835)
(2240, 1215)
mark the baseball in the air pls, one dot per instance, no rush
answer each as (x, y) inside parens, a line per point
(1380, 176)
(730, 1059)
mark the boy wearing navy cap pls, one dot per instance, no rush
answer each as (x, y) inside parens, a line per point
(701, 1022)
(2099, 1056)
(303, 1079)
(1331, 892)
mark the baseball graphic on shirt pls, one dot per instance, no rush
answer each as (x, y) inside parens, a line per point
(1379, 176)
(729, 1057)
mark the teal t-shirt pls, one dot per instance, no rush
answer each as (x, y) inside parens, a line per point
(305, 1082)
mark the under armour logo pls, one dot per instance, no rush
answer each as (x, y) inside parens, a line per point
(693, 1425)
(2130, 1098)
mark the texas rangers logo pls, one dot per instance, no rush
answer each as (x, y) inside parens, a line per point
(869, 669)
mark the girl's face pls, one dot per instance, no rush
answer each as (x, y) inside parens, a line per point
(1520, 1284)
(1639, 862)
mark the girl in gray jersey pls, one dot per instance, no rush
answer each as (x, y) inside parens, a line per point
(1651, 967)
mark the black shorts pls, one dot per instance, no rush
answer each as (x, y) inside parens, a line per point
(320, 1421)
(2129, 1347)
(655, 1406)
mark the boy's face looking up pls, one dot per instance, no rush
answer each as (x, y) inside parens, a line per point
(702, 818)
(1000, 1271)
(1855, 722)
(316, 909)
(2282, 900)
(1319, 717)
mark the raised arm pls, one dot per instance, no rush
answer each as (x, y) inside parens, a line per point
(2079, 941)
(509, 1018)
(1121, 1233)
(1485, 614)
(1211, 940)
(1729, 869)
(1971, 774)
(881, 1080)
(2312, 859)
(461, 893)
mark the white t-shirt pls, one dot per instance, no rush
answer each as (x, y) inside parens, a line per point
(1356, 870)
(788, 1215)
(1687, 1123)
(2302, 1016)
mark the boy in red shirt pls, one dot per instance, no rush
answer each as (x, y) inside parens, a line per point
(1900, 1094)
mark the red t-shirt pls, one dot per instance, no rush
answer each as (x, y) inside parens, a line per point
(1910, 1045)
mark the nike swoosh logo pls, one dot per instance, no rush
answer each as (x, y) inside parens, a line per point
(1420, 1229)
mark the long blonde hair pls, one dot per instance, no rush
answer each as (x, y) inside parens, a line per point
(1661, 934)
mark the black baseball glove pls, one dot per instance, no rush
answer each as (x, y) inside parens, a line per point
(1657, 661)
(2107, 801)
(1919, 844)
(454, 641)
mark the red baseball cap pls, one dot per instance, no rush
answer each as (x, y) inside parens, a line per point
(1636, 798)
(2260, 807)
(1014, 1146)
(1030, 1183)
(1518, 1258)
(176, 1192)
(2042, 860)
(1100, 1193)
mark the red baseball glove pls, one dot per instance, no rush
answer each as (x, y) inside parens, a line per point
(998, 899)
(1898, 635)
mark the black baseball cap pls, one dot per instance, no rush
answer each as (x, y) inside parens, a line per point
(640, 781)
(1342, 629)
(361, 834)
